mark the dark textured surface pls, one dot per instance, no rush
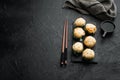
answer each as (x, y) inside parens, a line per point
(30, 43)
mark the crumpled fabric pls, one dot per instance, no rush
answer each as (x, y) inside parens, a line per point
(101, 9)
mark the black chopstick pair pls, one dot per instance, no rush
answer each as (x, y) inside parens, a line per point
(63, 60)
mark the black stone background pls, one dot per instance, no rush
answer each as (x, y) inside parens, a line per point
(30, 43)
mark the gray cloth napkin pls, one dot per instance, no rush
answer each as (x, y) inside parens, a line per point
(101, 9)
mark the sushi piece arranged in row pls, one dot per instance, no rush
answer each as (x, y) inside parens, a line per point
(85, 47)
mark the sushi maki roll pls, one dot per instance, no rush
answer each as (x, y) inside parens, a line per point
(80, 22)
(88, 54)
(90, 28)
(78, 33)
(89, 41)
(77, 47)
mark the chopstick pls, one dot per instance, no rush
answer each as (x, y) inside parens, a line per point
(63, 60)
(66, 41)
(63, 45)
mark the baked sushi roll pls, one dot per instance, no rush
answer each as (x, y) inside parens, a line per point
(78, 33)
(90, 28)
(80, 22)
(77, 47)
(89, 41)
(88, 54)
